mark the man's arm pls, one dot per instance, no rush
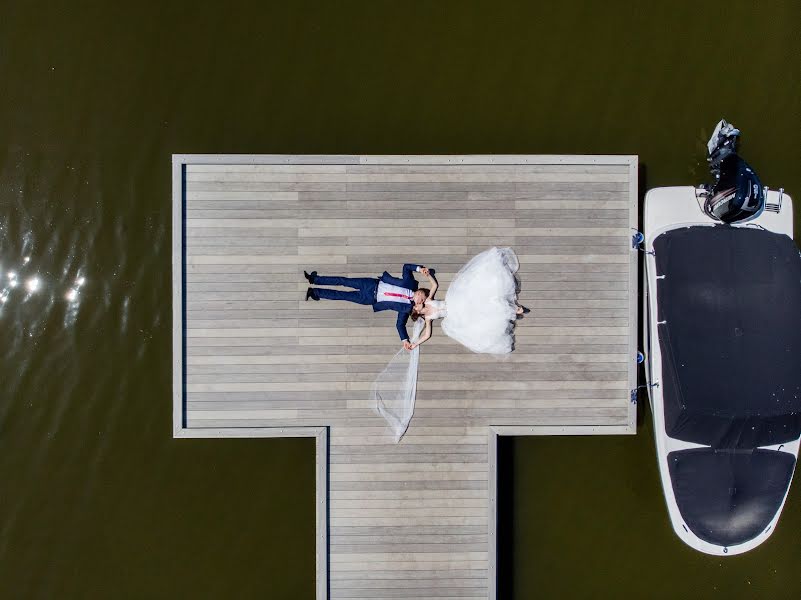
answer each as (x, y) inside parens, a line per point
(401, 327)
(408, 269)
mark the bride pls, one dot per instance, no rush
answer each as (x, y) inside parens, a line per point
(480, 306)
(479, 312)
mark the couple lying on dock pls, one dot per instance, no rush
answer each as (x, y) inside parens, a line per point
(479, 309)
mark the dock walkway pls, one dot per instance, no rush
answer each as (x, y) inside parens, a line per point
(252, 358)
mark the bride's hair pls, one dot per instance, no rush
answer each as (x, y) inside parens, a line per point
(414, 314)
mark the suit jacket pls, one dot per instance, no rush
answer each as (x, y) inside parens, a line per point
(404, 310)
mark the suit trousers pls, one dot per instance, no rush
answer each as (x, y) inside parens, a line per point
(365, 289)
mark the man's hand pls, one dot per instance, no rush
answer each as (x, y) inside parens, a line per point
(407, 345)
(425, 271)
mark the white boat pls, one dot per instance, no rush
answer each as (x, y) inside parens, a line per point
(722, 339)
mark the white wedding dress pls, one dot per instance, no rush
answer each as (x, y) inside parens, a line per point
(480, 306)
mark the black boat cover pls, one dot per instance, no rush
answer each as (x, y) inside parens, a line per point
(731, 338)
(727, 497)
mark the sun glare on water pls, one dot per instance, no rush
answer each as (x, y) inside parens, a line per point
(33, 285)
(24, 276)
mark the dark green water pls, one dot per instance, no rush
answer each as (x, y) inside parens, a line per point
(96, 499)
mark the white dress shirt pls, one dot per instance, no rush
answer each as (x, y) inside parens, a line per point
(393, 293)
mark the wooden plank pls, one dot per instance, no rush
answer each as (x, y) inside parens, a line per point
(344, 470)
(321, 512)
(410, 565)
(399, 574)
(492, 514)
(360, 359)
(403, 494)
(424, 386)
(390, 179)
(250, 259)
(403, 530)
(178, 268)
(214, 160)
(407, 556)
(484, 168)
(634, 259)
(495, 159)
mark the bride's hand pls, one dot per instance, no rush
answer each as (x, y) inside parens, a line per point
(424, 271)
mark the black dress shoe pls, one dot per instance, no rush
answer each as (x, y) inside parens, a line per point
(310, 293)
(310, 277)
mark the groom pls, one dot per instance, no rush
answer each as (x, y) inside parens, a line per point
(383, 293)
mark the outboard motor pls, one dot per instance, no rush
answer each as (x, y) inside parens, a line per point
(737, 193)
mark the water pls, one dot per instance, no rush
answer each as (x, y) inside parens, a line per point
(97, 499)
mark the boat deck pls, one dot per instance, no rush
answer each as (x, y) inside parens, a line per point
(252, 358)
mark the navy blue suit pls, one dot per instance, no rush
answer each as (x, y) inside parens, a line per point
(366, 289)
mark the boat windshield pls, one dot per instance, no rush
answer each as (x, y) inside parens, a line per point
(730, 335)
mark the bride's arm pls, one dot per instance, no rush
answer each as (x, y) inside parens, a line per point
(426, 334)
(432, 281)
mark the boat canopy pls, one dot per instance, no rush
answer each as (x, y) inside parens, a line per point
(727, 497)
(729, 308)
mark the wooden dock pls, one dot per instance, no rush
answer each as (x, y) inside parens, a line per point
(252, 358)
